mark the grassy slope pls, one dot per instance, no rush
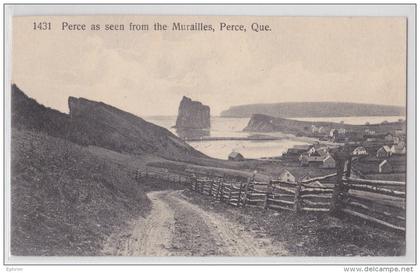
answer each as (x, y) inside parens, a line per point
(65, 199)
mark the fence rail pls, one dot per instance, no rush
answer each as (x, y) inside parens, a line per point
(376, 201)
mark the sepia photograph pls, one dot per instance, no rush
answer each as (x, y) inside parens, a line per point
(208, 136)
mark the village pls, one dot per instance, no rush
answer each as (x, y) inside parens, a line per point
(375, 155)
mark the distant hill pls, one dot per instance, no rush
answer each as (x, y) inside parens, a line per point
(313, 109)
(99, 124)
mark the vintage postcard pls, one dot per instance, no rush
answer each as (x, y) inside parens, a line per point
(208, 136)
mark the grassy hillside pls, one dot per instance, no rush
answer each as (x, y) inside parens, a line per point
(313, 109)
(65, 199)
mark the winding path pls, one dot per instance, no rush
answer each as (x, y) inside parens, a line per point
(176, 227)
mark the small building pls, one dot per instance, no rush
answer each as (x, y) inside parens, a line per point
(312, 150)
(235, 156)
(321, 130)
(398, 149)
(399, 132)
(287, 176)
(385, 167)
(389, 137)
(292, 176)
(328, 162)
(397, 139)
(383, 152)
(340, 138)
(297, 150)
(312, 157)
(304, 159)
(315, 156)
(360, 151)
(369, 132)
(341, 131)
(333, 132)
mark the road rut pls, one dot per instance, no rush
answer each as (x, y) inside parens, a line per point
(176, 227)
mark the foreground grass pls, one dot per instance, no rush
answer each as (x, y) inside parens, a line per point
(65, 199)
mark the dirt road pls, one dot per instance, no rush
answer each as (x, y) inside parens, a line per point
(176, 227)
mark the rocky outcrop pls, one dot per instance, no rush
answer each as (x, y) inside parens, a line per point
(96, 123)
(192, 115)
(261, 123)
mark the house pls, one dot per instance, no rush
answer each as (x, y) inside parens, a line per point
(360, 151)
(339, 138)
(389, 137)
(292, 176)
(314, 129)
(235, 156)
(354, 136)
(304, 159)
(397, 140)
(333, 132)
(321, 130)
(312, 157)
(399, 132)
(383, 152)
(328, 162)
(312, 150)
(398, 149)
(385, 167)
(287, 176)
(296, 151)
(316, 156)
(369, 132)
(341, 131)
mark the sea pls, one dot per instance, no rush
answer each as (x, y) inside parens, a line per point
(232, 127)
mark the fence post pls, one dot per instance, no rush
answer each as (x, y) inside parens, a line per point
(239, 195)
(230, 192)
(336, 201)
(298, 206)
(246, 192)
(222, 187)
(348, 173)
(268, 193)
(211, 187)
(218, 189)
(193, 183)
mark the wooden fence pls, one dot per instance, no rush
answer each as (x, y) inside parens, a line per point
(378, 202)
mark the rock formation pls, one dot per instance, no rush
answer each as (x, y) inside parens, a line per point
(192, 115)
(96, 123)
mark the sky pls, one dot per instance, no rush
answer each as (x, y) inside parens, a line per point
(346, 59)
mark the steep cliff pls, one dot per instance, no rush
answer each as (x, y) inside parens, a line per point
(192, 115)
(112, 128)
(99, 124)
